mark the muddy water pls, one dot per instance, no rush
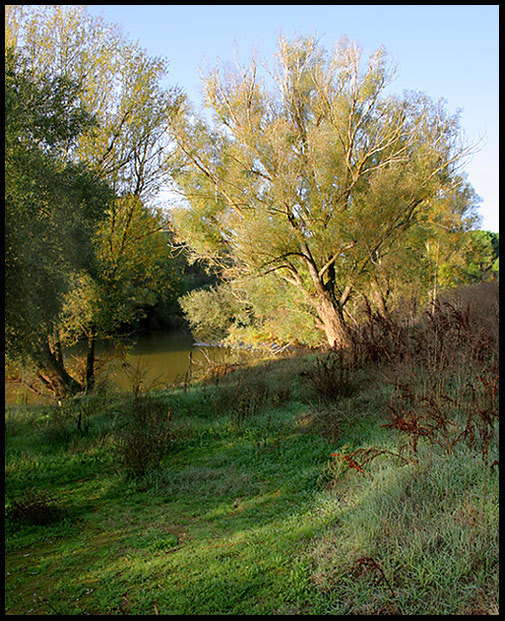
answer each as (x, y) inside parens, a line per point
(158, 360)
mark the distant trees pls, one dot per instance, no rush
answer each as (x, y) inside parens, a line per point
(480, 256)
(319, 182)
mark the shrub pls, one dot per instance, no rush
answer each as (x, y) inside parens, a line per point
(143, 436)
(333, 376)
(446, 393)
(56, 427)
(379, 339)
(247, 397)
(242, 394)
(448, 412)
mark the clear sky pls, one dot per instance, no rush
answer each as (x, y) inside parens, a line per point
(446, 51)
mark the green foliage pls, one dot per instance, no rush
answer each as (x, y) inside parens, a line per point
(130, 246)
(51, 202)
(481, 256)
(211, 312)
(143, 434)
(318, 177)
(33, 507)
(87, 151)
(298, 507)
(118, 83)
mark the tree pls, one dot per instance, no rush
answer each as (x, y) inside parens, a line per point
(51, 205)
(314, 177)
(130, 248)
(127, 148)
(427, 260)
(118, 83)
(480, 257)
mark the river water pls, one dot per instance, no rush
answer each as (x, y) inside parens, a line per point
(159, 360)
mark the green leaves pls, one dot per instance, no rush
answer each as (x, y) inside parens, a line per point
(87, 150)
(314, 173)
(46, 211)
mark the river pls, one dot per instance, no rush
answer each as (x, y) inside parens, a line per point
(159, 359)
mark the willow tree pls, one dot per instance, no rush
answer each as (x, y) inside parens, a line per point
(312, 173)
(121, 88)
(51, 207)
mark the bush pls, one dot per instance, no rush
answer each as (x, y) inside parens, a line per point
(246, 397)
(333, 376)
(446, 390)
(143, 436)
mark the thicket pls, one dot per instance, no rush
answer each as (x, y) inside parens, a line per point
(442, 371)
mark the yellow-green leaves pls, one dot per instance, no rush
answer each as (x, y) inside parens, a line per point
(119, 84)
(312, 172)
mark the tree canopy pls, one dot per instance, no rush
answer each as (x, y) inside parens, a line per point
(87, 150)
(308, 188)
(316, 175)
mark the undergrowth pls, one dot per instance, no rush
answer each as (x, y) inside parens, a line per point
(348, 482)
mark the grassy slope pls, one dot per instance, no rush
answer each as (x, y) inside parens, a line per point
(247, 513)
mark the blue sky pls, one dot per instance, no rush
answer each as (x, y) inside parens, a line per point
(446, 51)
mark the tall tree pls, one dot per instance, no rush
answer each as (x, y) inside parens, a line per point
(51, 207)
(313, 173)
(118, 83)
(127, 148)
(127, 276)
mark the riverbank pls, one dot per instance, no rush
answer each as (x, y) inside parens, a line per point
(163, 359)
(287, 487)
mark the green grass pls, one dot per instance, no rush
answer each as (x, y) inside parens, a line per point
(246, 513)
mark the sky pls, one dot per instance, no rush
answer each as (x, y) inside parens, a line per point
(445, 51)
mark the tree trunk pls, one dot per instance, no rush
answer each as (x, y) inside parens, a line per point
(329, 310)
(90, 364)
(381, 300)
(55, 375)
(332, 319)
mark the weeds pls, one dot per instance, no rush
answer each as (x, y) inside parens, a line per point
(333, 377)
(356, 461)
(380, 339)
(144, 434)
(245, 397)
(470, 416)
(370, 565)
(448, 394)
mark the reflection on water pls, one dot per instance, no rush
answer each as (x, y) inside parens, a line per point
(161, 359)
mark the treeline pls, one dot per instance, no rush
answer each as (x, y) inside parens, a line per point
(308, 194)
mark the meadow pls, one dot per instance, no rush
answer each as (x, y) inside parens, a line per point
(357, 482)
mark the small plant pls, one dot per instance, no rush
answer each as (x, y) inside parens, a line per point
(332, 376)
(56, 427)
(246, 397)
(144, 436)
(137, 376)
(370, 566)
(357, 460)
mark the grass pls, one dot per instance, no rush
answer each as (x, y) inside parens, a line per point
(247, 511)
